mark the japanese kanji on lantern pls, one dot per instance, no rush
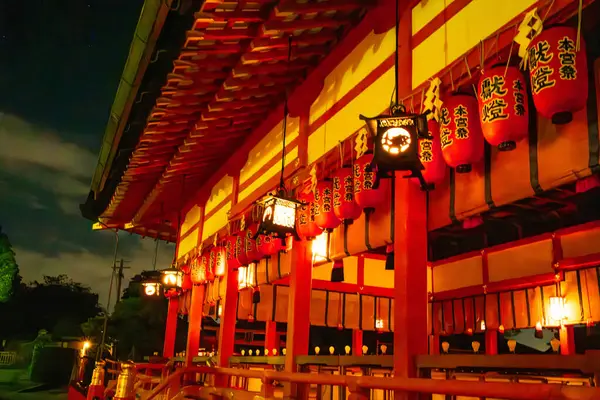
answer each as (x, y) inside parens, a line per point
(268, 244)
(197, 270)
(430, 154)
(366, 195)
(324, 215)
(307, 228)
(461, 138)
(503, 107)
(233, 244)
(250, 248)
(559, 73)
(204, 260)
(344, 205)
(217, 260)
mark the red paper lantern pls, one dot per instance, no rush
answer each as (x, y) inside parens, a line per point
(217, 260)
(307, 228)
(186, 282)
(430, 154)
(503, 107)
(204, 260)
(559, 73)
(460, 132)
(252, 253)
(197, 271)
(324, 215)
(239, 249)
(268, 245)
(344, 205)
(231, 244)
(365, 195)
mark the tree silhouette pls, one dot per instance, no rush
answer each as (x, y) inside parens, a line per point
(9, 270)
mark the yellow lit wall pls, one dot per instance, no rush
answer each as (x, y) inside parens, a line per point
(367, 56)
(217, 216)
(265, 151)
(377, 275)
(478, 20)
(323, 272)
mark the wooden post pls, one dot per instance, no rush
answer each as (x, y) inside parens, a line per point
(434, 344)
(410, 236)
(357, 342)
(171, 328)
(298, 327)
(271, 337)
(567, 340)
(228, 321)
(194, 324)
(491, 342)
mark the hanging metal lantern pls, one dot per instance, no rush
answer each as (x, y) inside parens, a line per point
(430, 154)
(366, 195)
(307, 227)
(325, 217)
(460, 132)
(251, 250)
(233, 244)
(503, 107)
(172, 278)
(344, 205)
(151, 283)
(558, 73)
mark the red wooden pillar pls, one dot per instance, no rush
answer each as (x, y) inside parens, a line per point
(410, 233)
(171, 328)
(271, 337)
(491, 342)
(434, 344)
(228, 320)
(357, 342)
(567, 340)
(298, 327)
(194, 324)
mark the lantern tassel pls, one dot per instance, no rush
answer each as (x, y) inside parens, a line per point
(389, 257)
(256, 295)
(337, 271)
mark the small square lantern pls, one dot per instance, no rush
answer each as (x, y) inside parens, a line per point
(396, 142)
(172, 278)
(151, 288)
(278, 215)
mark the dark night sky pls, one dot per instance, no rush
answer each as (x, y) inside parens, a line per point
(60, 64)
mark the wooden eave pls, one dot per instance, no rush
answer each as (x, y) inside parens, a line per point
(231, 73)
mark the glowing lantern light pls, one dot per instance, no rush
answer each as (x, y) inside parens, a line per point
(278, 216)
(430, 155)
(379, 324)
(501, 329)
(172, 278)
(307, 228)
(324, 215)
(557, 310)
(217, 260)
(539, 333)
(344, 206)
(482, 326)
(503, 107)
(197, 271)
(559, 73)
(366, 195)
(460, 132)
(320, 248)
(151, 288)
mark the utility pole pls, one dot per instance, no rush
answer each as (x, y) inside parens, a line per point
(120, 277)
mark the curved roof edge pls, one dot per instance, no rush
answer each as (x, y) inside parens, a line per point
(147, 31)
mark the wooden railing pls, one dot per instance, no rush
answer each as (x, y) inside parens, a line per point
(8, 358)
(359, 388)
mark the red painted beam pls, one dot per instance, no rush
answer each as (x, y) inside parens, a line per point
(291, 6)
(171, 325)
(281, 26)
